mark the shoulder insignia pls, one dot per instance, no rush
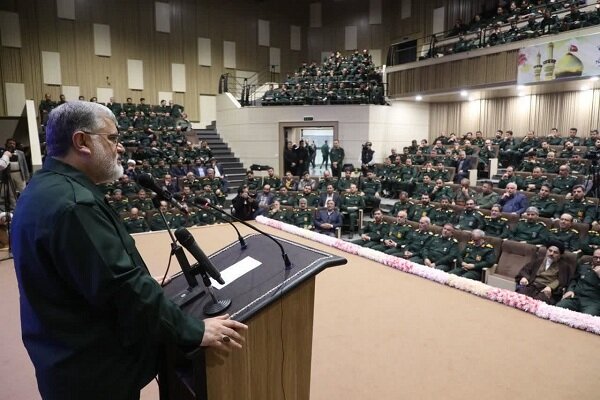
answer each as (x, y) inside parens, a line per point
(523, 220)
(489, 246)
(541, 223)
(479, 212)
(553, 230)
(488, 217)
(575, 231)
(503, 219)
(455, 240)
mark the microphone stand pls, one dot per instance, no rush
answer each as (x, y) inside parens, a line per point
(286, 259)
(240, 238)
(193, 291)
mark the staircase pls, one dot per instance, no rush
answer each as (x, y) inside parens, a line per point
(232, 166)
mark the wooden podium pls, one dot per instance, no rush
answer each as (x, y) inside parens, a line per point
(277, 304)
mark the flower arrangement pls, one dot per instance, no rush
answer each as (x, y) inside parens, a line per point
(509, 298)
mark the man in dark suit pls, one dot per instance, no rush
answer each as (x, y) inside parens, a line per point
(463, 165)
(330, 194)
(264, 200)
(328, 220)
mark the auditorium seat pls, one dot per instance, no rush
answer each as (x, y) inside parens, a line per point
(513, 257)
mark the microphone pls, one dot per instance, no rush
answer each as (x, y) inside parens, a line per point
(186, 239)
(205, 202)
(148, 182)
(240, 238)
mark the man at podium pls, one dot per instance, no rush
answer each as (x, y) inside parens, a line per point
(94, 321)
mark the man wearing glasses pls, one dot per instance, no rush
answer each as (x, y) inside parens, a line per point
(93, 320)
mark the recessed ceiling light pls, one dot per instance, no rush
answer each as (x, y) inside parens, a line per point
(463, 93)
(419, 97)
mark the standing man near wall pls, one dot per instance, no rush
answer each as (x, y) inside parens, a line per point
(325, 155)
(93, 320)
(336, 155)
(14, 164)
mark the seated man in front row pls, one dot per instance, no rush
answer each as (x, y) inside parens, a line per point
(440, 251)
(476, 256)
(583, 293)
(374, 231)
(543, 277)
(328, 220)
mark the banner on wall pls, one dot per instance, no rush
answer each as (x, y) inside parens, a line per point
(560, 59)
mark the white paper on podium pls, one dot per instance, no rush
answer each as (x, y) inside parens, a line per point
(233, 272)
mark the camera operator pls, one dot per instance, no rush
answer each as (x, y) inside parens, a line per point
(13, 165)
(366, 157)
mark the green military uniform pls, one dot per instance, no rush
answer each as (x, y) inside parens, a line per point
(369, 187)
(323, 182)
(591, 243)
(421, 189)
(396, 233)
(286, 200)
(420, 210)
(274, 182)
(578, 168)
(497, 227)
(445, 191)
(430, 172)
(547, 207)
(201, 216)
(279, 215)
(405, 179)
(461, 198)
(88, 293)
(343, 184)
(441, 216)
(528, 165)
(303, 218)
(376, 231)
(442, 251)
(512, 179)
(400, 206)
(482, 256)
(312, 199)
(120, 205)
(586, 286)
(583, 210)
(542, 153)
(550, 166)
(351, 203)
(569, 237)
(532, 233)
(129, 188)
(469, 220)
(537, 182)
(415, 241)
(135, 225)
(486, 201)
(253, 184)
(336, 155)
(142, 204)
(563, 185)
(157, 223)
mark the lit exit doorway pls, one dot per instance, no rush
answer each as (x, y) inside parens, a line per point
(318, 135)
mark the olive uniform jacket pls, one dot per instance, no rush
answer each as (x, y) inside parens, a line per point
(92, 318)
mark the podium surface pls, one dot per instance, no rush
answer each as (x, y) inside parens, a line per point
(277, 304)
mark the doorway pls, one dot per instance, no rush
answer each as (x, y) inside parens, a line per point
(318, 135)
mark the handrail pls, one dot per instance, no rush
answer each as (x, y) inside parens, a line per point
(441, 43)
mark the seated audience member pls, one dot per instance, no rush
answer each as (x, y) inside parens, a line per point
(244, 205)
(583, 292)
(278, 213)
(443, 214)
(351, 203)
(510, 177)
(495, 224)
(343, 184)
(529, 229)
(396, 234)
(564, 182)
(440, 251)
(403, 203)
(476, 256)
(327, 180)
(415, 240)
(330, 194)
(463, 165)
(487, 197)
(534, 182)
(469, 218)
(580, 208)
(463, 193)
(543, 277)
(512, 201)
(302, 216)
(550, 165)
(264, 200)
(371, 187)
(329, 219)
(135, 223)
(565, 233)
(285, 198)
(157, 223)
(374, 231)
(440, 190)
(311, 197)
(289, 182)
(272, 180)
(546, 205)
(422, 209)
(252, 182)
(307, 181)
(425, 187)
